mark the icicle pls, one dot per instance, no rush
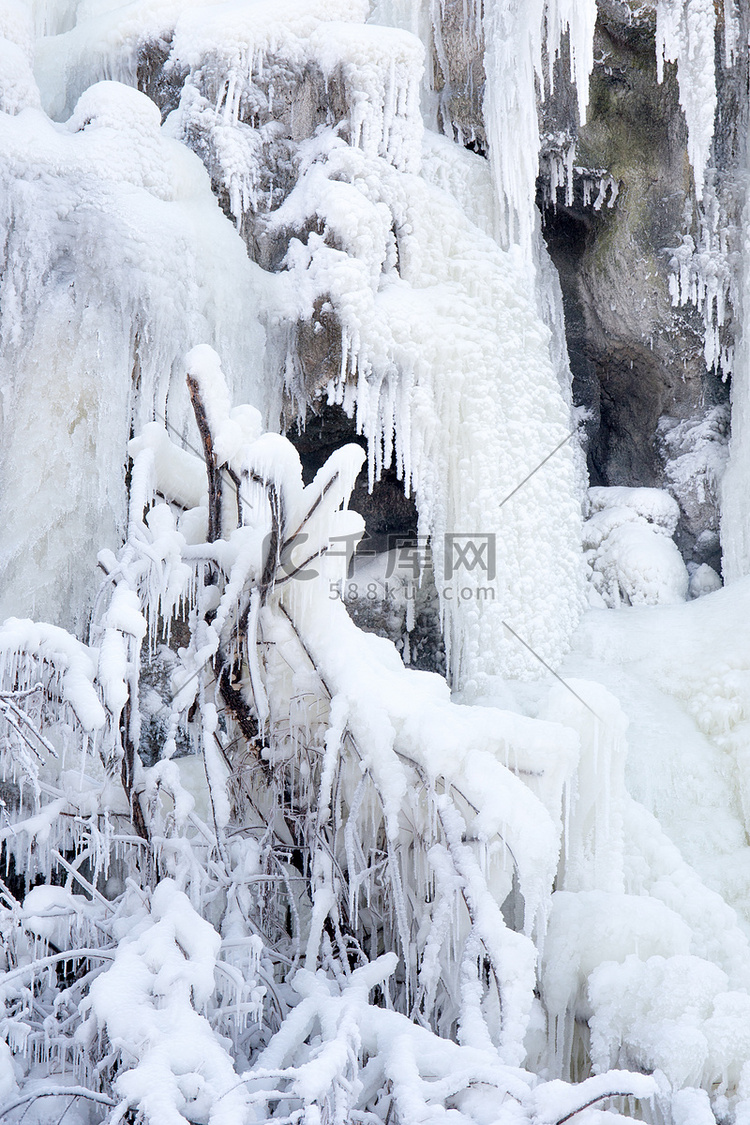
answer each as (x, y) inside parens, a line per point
(514, 38)
(685, 35)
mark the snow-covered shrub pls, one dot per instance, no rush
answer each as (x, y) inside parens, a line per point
(167, 1059)
(301, 919)
(324, 898)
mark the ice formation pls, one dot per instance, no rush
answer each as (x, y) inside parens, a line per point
(115, 257)
(301, 881)
(429, 307)
(515, 44)
(685, 35)
(735, 531)
(627, 542)
(704, 266)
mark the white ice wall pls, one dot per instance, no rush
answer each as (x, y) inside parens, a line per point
(115, 260)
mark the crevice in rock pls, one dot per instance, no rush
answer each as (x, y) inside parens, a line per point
(391, 521)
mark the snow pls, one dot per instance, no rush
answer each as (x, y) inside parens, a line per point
(679, 1020)
(380, 72)
(704, 580)
(692, 1107)
(149, 1003)
(554, 1099)
(399, 722)
(628, 546)
(17, 28)
(651, 504)
(177, 474)
(27, 646)
(19, 90)
(326, 828)
(413, 713)
(54, 914)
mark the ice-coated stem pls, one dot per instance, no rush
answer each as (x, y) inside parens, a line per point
(213, 470)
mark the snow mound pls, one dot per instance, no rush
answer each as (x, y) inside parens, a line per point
(628, 546)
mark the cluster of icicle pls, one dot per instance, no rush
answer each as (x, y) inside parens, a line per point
(214, 950)
(702, 274)
(704, 266)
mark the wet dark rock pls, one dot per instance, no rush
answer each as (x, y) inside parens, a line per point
(162, 86)
(637, 360)
(391, 520)
(387, 510)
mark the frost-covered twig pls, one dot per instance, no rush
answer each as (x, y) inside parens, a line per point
(213, 470)
(54, 1092)
(18, 718)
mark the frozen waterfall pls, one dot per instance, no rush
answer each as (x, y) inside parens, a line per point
(279, 282)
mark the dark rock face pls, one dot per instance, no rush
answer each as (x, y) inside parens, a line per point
(391, 521)
(162, 86)
(638, 359)
(458, 77)
(386, 509)
(647, 356)
(656, 411)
